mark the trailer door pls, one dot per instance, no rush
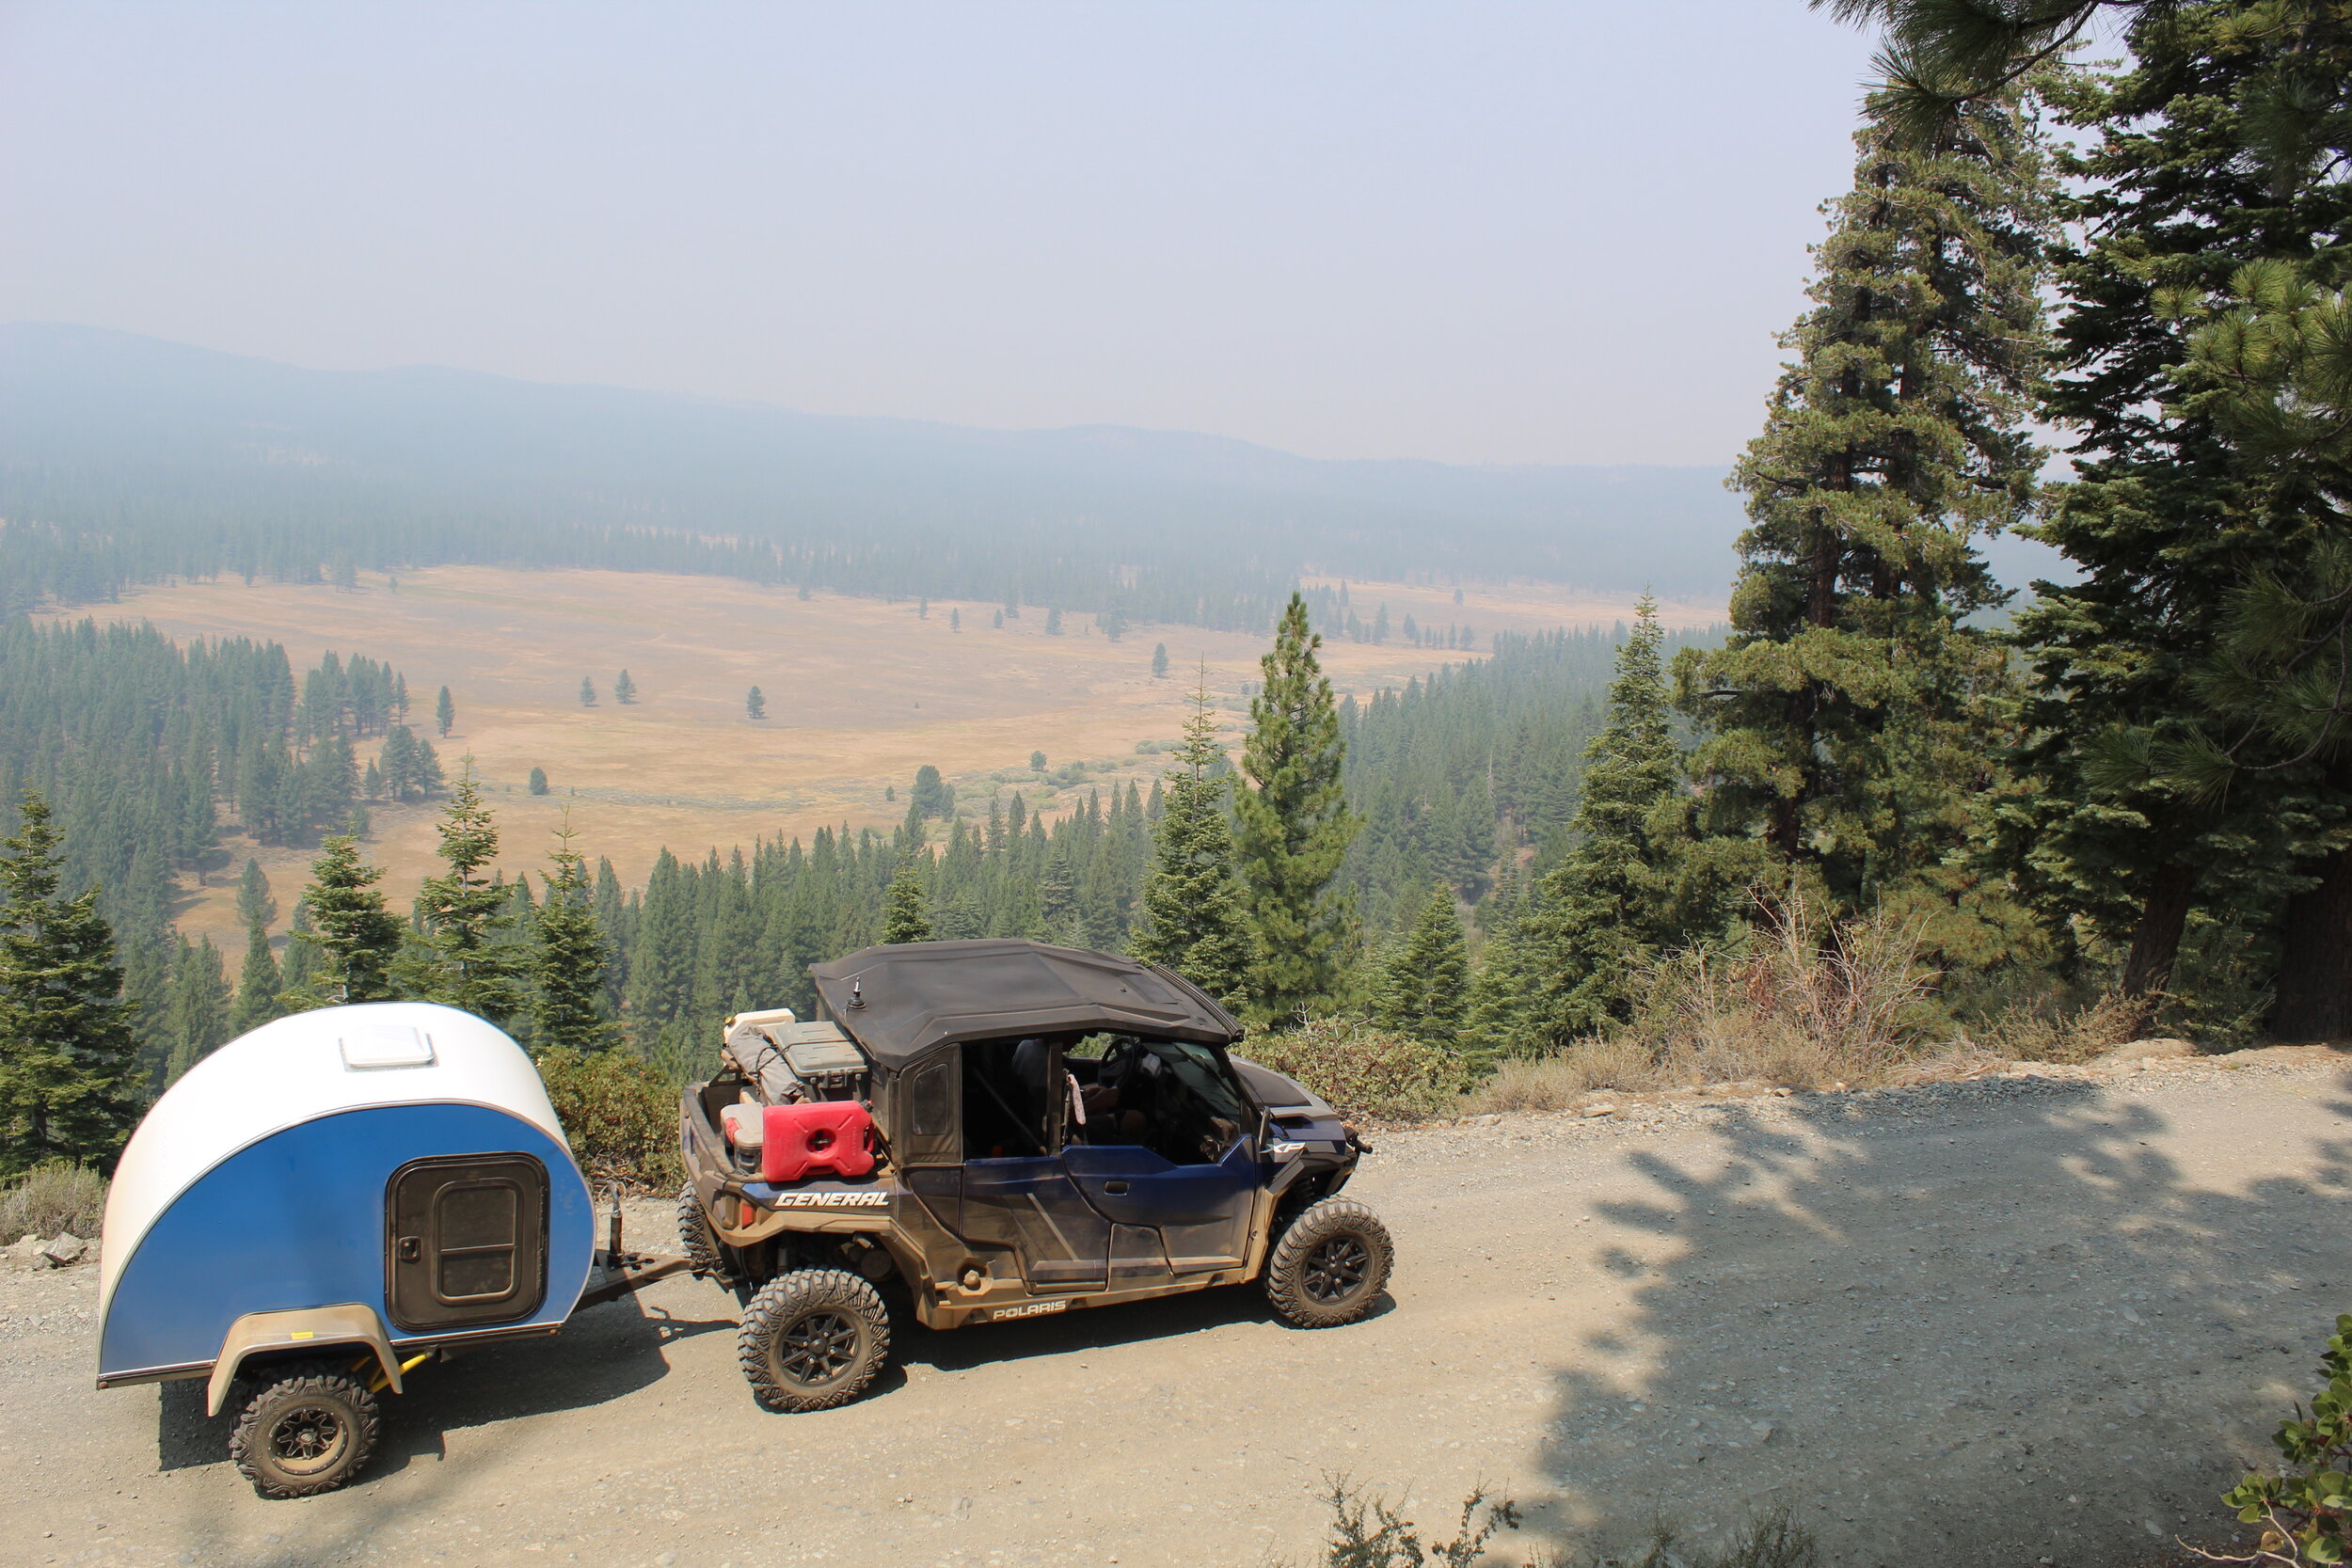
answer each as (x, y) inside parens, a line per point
(467, 1244)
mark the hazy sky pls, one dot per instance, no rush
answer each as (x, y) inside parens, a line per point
(1551, 233)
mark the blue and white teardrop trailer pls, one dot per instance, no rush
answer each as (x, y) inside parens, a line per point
(321, 1204)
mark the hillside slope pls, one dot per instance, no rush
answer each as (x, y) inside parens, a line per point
(107, 428)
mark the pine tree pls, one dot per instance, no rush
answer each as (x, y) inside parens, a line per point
(2166, 515)
(754, 705)
(1849, 718)
(1195, 920)
(68, 1084)
(352, 939)
(1053, 623)
(468, 964)
(905, 918)
(955, 620)
(1159, 661)
(624, 689)
(199, 1006)
(537, 784)
(1295, 825)
(1425, 988)
(255, 904)
(444, 713)
(587, 692)
(568, 962)
(1610, 903)
(259, 983)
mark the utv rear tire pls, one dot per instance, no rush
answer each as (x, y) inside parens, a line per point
(813, 1339)
(1329, 1265)
(695, 1239)
(308, 1433)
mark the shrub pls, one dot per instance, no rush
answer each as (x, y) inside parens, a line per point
(1363, 1069)
(1771, 1539)
(620, 1117)
(2044, 1030)
(55, 1196)
(2305, 1509)
(1368, 1532)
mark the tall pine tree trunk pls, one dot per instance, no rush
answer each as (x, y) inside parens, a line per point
(2314, 1000)
(2156, 940)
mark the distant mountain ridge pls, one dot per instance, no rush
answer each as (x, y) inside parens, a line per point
(102, 430)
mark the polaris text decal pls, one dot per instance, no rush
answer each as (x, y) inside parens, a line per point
(1028, 1309)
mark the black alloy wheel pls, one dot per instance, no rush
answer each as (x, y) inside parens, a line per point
(1336, 1269)
(817, 1349)
(1329, 1265)
(813, 1339)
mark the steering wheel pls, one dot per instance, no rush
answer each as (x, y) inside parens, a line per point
(1121, 1064)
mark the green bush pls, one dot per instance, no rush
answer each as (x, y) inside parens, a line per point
(1364, 1070)
(1369, 1532)
(620, 1115)
(55, 1196)
(2305, 1509)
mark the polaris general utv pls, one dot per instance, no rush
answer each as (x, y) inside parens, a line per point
(1004, 1129)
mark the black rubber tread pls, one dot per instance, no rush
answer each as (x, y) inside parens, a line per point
(1290, 1267)
(790, 1299)
(304, 1386)
(694, 1237)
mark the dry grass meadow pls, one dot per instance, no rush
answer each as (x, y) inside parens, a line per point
(860, 694)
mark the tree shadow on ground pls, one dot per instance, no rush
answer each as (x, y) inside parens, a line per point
(1951, 1327)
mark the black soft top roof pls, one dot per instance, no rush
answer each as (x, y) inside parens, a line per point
(903, 1001)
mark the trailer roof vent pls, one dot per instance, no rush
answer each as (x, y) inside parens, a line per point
(371, 1046)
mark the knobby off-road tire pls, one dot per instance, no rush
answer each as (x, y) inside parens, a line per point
(813, 1339)
(308, 1431)
(1329, 1265)
(695, 1239)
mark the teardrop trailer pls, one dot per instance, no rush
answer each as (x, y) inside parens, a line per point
(320, 1205)
(1002, 1130)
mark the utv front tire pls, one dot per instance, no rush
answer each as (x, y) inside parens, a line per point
(813, 1339)
(1329, 1265)
(308, 1433)
(695, 1239)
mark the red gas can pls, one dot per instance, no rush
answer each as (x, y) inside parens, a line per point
(816, 1137)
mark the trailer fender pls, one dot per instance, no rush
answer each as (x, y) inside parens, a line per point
(347, 1326)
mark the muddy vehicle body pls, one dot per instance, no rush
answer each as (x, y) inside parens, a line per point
(998, 1129)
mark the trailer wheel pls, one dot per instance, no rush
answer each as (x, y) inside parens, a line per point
(813, 1339)
(307, 1432)
(695, 1239)
(1329, 1265)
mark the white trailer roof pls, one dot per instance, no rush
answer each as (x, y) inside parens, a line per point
(296, 1069)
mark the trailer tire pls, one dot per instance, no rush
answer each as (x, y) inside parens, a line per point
(695, 1239)
(1329, 1265)
(813, 1339)
(307, 1432)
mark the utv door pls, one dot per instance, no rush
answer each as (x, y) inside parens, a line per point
(1199, 1214)
(1033, 1207)
(467, 1242)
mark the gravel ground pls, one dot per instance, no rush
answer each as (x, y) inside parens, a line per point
(2017, 1320)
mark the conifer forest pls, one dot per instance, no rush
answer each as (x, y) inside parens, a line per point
(2102, 307)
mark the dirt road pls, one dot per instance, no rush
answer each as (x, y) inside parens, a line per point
(2004, 1323)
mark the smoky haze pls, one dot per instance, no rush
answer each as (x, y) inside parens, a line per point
(1476, 233)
